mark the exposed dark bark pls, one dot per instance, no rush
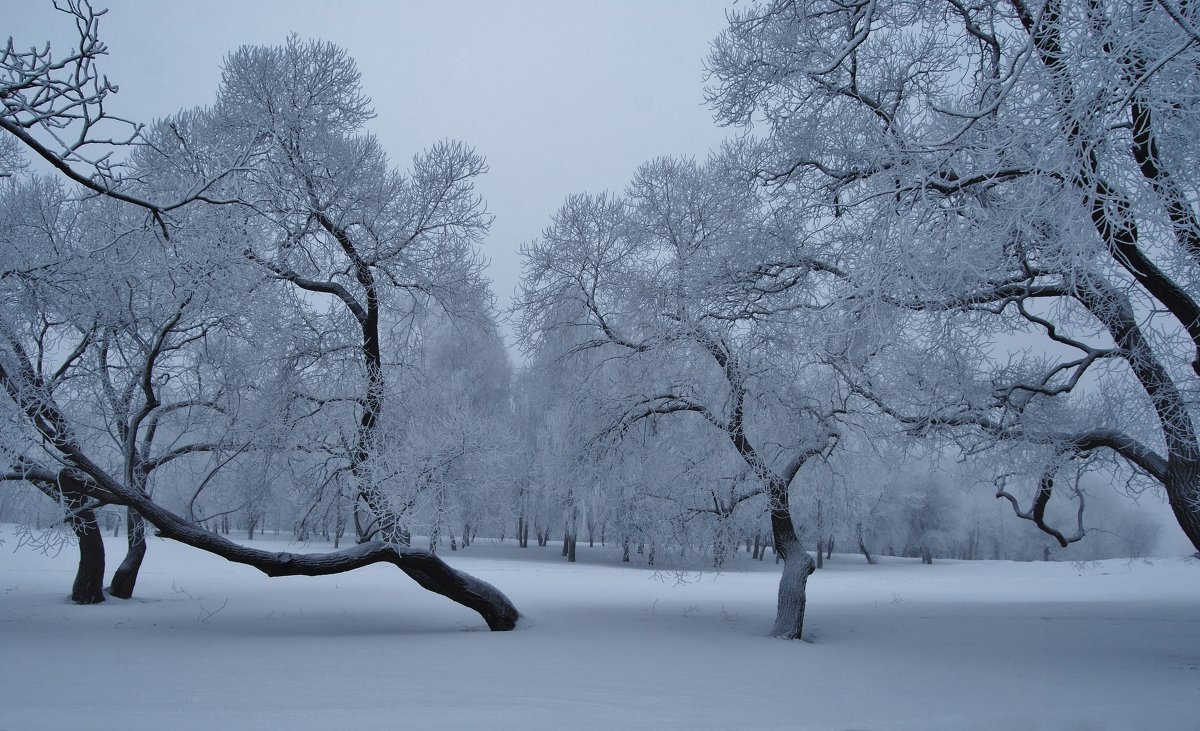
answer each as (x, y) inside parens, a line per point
(423, 567)
(88, 587)
(92, 481)
(797, 564)
(1183, 493)
(79, 503)
(1181, 476)
(1110, 209)
(862, 545)
(125, 577)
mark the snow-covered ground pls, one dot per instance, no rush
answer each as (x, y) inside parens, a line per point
(899, 645)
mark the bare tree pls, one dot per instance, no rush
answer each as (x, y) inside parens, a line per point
(646, 279)
(330, 218)
(55, 107)
(985, 175)
(312, 207)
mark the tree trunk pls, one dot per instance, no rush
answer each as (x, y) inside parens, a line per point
(625, 550)
(571, 550)
(829, 548)
(862, 546)
(1183, 494)
(79, 512)
(424, 567)
(820, 554)
(793, 586)
(797, 566)
(89, 578)
(126, 575)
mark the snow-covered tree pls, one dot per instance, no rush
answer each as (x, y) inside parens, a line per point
(1016, 183)
(649, 280)
(301, 247)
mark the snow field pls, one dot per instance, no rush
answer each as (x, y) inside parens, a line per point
(957, 645)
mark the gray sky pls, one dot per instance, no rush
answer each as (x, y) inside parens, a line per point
(561, 96)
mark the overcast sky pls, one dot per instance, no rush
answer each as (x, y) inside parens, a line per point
(561, 96)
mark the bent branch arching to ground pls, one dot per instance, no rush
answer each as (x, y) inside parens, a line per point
(424, 567)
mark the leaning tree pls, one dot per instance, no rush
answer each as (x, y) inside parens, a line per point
(278, 174)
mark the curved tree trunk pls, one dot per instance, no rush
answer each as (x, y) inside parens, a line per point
(93, 481)
(126, 575)
(1180, 475)
(422, 566)
(797, 566)
(793, 586)
(89, 578)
